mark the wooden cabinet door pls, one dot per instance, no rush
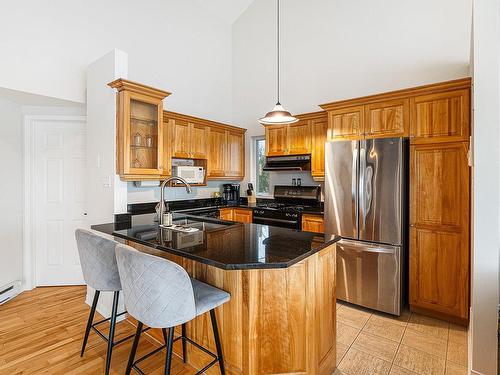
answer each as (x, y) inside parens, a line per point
(217, 151)
(313, 223)
(439, 229)
(181, 142)
(167, 150)
(387, 119)
(242, 215)
(276, 140)
(319, 129)
(235, 159)
(226, 214)
(299, 138)
(441, 117)
(198, 141)
(346, 123)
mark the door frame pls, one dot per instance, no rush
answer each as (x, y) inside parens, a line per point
(29, 224)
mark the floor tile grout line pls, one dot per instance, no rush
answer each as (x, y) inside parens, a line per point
(400, 341)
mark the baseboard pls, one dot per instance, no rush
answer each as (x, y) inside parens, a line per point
(10, 291)
(476, 373)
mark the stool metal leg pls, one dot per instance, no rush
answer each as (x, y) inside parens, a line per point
(170, 346)
(112, 324)
(217, 341)
(184, 354)
(89, 322)
(131, 358)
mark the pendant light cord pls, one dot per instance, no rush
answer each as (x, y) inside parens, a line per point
(278, 44)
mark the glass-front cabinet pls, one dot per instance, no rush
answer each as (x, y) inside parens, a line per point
(140, 137)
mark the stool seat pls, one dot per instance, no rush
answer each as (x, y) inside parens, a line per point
(207, 297)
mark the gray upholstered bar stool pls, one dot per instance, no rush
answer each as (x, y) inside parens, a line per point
(160, 294)
(100, 271)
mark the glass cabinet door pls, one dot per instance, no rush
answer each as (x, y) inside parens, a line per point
(144, 136)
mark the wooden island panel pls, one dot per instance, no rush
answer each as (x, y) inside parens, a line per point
(278, 321)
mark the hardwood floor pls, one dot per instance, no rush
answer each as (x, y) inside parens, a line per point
(41, 332)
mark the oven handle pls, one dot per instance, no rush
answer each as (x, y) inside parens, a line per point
(275, 220)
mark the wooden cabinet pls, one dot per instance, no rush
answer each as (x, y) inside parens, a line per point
(139, 130)
(441, 117)
(241, 215)
(313, 223)
(189, 140)
(307, 136)
(235, 155)
(217, 140)
(346, 123)
(276, 140)
(439, 230)
(387, 119)
(223, 146)
(319, 128)
(299, 138)
(226, 214)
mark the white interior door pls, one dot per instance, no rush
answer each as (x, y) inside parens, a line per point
(59, 200)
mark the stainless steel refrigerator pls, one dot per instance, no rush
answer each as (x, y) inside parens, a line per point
(365, 203)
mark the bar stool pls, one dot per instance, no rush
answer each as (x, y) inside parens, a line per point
(160, 294)
(100, 271)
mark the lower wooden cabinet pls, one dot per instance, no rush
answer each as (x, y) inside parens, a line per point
(313, 223)
(439, 230)
(241, 215)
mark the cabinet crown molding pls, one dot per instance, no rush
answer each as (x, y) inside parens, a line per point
(122, 84)
(169, 115)
(462, 83)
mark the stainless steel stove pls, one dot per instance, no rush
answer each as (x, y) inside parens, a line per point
(286, 208)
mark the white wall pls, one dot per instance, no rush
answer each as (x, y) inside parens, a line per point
(486, 175)
(173, 44)
(11, 188)
(334, 49)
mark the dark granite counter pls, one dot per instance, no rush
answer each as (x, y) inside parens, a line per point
(223, 244)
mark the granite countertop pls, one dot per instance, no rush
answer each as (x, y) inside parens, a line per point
(223, 244)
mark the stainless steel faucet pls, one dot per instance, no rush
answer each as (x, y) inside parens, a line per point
(162, 194)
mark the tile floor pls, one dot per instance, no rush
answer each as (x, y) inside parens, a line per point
(371, 343)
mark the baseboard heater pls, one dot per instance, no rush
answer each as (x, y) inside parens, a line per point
(9, 291)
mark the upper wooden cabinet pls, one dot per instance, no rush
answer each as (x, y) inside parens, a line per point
(276, 140)
(222, 145)
(441, 117)
(217, 150)
(139, 130)
(345, 123)
(387, 119)
(235, 155)
(189, 139)
(299, 138)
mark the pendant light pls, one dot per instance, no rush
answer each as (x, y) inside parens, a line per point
(278, 115)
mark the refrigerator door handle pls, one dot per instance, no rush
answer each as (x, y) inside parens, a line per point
(368, 192)
(354, 185)
(362, 196)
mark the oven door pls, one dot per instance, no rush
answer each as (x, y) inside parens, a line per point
(276, 222)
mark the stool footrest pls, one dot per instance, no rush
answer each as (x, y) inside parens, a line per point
(105, 338)
(213, 355)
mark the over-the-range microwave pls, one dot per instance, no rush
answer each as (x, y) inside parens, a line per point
(192, 174)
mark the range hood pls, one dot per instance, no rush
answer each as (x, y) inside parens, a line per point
(288, 163)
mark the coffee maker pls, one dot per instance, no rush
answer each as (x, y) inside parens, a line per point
(231, 194)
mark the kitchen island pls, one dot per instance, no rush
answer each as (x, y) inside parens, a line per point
(281, 316)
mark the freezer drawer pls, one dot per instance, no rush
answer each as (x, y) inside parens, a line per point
(369, 275)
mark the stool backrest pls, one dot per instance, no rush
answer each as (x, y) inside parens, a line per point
(157, 292)
(98, 260)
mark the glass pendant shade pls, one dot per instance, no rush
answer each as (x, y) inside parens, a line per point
(278, 115)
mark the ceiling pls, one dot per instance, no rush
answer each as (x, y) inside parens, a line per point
(25, 98)
(226, 10)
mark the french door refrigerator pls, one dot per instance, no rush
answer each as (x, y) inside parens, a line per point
(365, 203)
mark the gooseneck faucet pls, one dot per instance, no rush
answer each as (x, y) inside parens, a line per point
(162, 194)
